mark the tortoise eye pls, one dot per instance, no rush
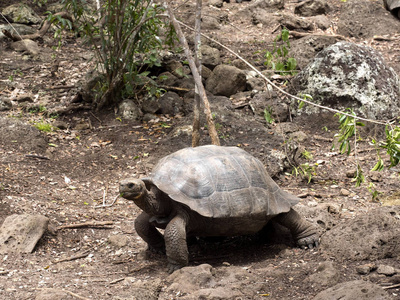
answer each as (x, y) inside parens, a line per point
(131, 185)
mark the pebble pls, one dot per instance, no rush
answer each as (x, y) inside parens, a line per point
(386, 270)
(365, 269)
(344, 192)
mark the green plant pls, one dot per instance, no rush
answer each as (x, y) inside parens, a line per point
(43, 126)
(305, 171)
(37, 109)
(307, 155)
(268, 115)
(126, 40)
(278, 59)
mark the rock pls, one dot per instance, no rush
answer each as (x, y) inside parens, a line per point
(269, 6)
(386, 270)
(20, 28)
(305, 49)
(211, 57)
(26, 46)
(255, 84)
(150, 105)
(129, 110)
(176, 68)
(278, 109)
(226, 80)
(216, 3)
(353, 290)
(51, 294)
(321, 21)
(22, 137)
(376, 20)
(293, 22)
(60, 124)
(139, 290)
(167, 78)
(118, 240)
(344, 192)
(325, 275)
(189, 279)
(171, 104)
(20, 233)
(365, 269)
(346, 75)
(21, 13)
(5, 104)
(367, 237)
(312, 8)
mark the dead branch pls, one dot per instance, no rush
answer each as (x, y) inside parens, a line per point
(197, 61)
(116, 280)
(196, 76)
(37, 156)
(40, 33)
(297, 34)
(86, 224)
(391, 286)
(107, 205)
(74, 257)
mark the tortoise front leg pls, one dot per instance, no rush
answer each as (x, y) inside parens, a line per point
(149, 233)
(175, 243)
(303, 232)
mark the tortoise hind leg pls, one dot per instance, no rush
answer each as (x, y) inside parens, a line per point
(305, 233)
(149, 233)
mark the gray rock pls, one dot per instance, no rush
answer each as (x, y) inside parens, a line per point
(376, 20)
(226, 81)
(19, 136)
(151, 105)
(20, 28)
(189, 279)
(367, 237)
(139, 290)
(171, 104)
(305, 49)
(21, 13)
(346, 75)
(129, 110)
(20, 233)
(211, 57)
(167, 78)
(312, 8)
(321, 21)
(365, 269)
(5, 104)
(325, 275)
(353, 290)
(293, 22)
(386, 270)
(28, 46)
(118, 240)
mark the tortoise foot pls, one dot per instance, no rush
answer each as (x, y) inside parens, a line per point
(173, 267)
(310, 242)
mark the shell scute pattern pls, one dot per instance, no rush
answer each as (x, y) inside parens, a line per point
(221, 182)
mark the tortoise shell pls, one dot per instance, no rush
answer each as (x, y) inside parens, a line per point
(221, 182)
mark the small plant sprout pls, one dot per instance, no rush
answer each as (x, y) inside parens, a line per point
(268, 115)
(307, 155)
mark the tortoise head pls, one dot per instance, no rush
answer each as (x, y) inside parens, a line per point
(132, 189)
(140, 191)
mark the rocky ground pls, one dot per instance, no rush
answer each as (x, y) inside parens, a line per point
(67, 175)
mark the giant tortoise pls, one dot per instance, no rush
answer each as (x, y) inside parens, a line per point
(210, 191)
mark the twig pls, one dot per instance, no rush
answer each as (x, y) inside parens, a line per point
(116, 280)
(86, 224)
(298, 34)
(61, 87)
(76, 256)
(107, 205)
(391, 286)
(36, 156)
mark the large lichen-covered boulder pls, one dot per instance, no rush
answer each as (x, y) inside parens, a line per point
(21, 13)
(346, 75)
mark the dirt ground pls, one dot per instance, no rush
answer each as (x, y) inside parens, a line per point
(84, 167)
